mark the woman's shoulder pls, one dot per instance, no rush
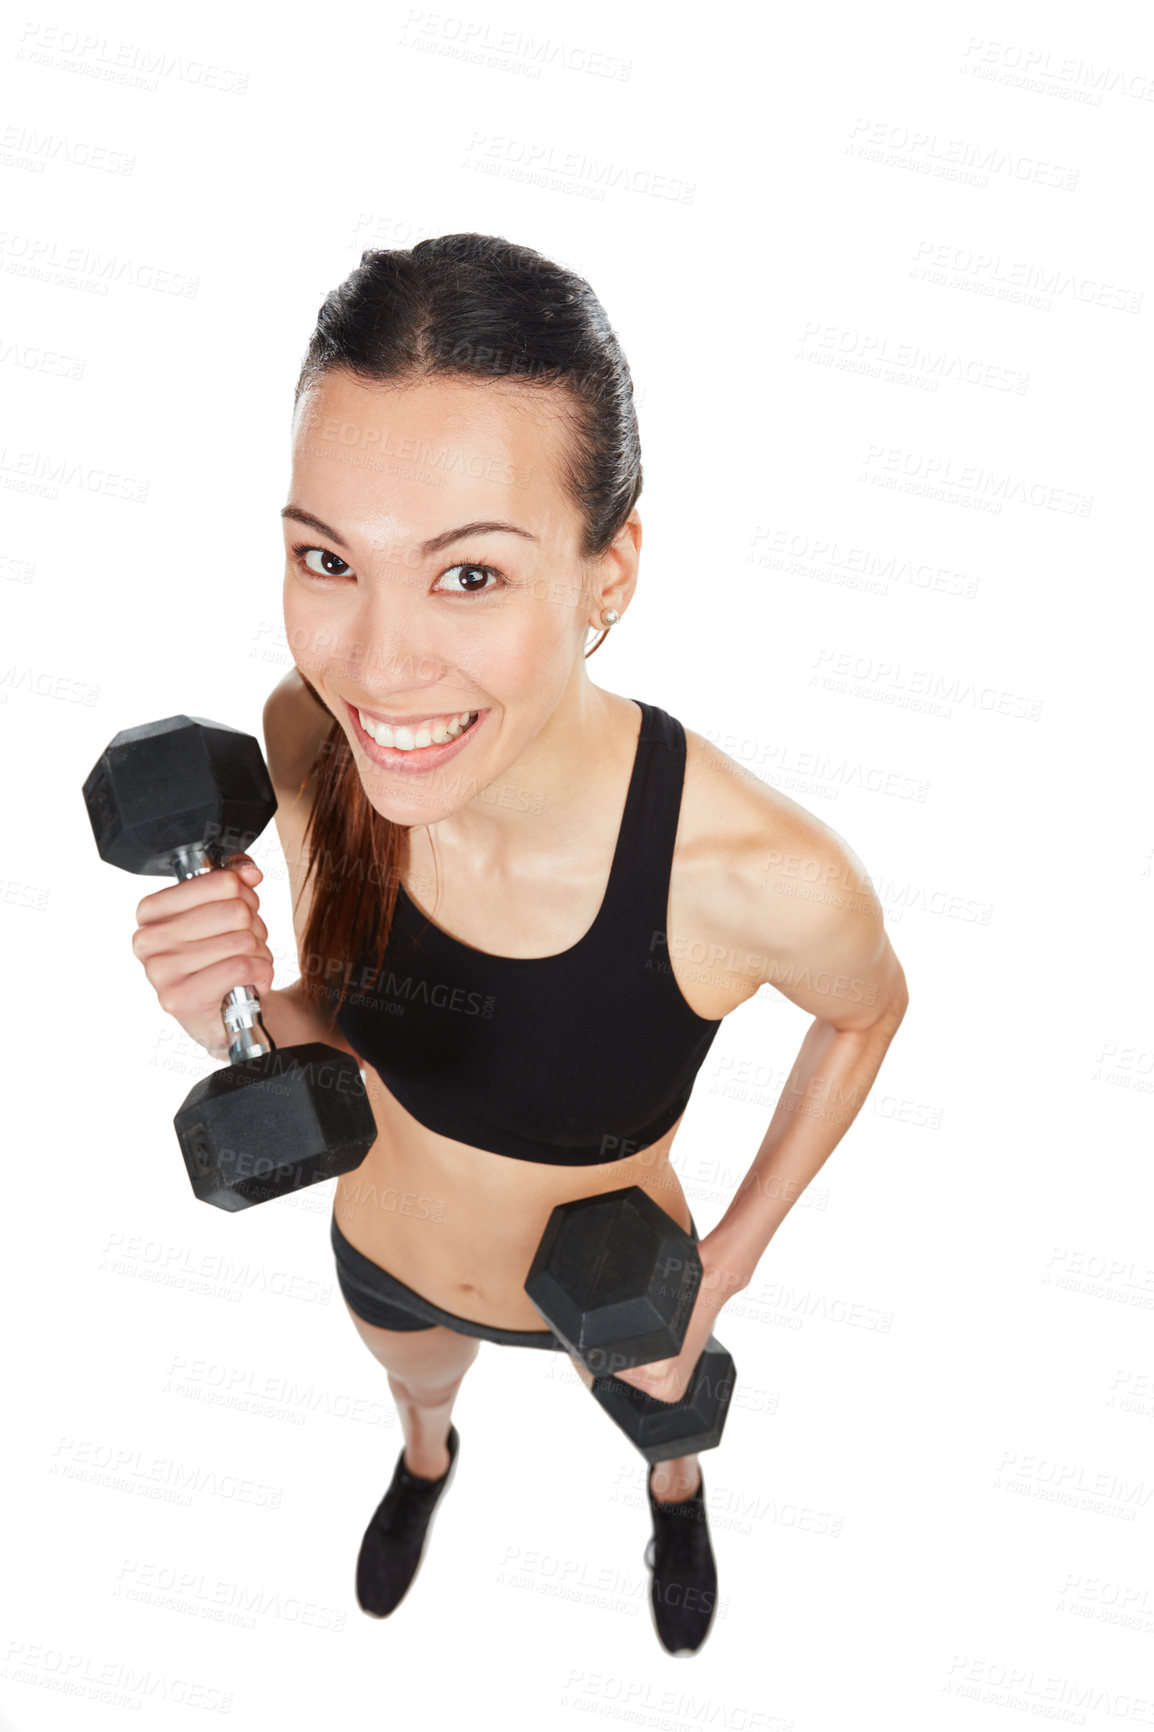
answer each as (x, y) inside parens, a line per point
(738, 838)
(723, 800)
(295, 725)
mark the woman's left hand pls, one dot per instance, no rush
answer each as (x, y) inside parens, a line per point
(668, 1379)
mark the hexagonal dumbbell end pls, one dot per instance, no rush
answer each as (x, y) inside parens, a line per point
(664, 1429)
(157, 788)
(274, 1124)
(615, 1278)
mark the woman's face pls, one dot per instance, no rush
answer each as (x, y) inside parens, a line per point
(403, 617)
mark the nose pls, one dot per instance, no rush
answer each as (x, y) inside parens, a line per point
(387, 651)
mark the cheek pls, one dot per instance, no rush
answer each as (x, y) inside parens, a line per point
(533, 650)
(311, 641)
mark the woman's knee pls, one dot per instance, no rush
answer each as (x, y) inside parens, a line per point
(418, 1391)
(435, 1377)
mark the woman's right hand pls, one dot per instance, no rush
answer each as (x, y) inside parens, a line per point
(200, 937)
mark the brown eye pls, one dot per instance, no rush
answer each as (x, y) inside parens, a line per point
(472, 573)
(327, 559)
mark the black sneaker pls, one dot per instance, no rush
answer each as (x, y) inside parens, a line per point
(395, 1539)
(683, 1593)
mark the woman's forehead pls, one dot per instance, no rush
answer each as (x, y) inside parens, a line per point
(499, 407)
(428, 455)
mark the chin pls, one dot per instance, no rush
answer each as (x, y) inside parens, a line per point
(412, 804)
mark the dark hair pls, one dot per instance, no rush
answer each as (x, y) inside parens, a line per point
(475, 307)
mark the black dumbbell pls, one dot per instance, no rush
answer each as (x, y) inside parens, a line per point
(616, 1278)
(177, 797)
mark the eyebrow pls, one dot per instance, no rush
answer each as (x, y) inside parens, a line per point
(433, 545)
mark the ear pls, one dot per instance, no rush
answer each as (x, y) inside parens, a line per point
(616, 574)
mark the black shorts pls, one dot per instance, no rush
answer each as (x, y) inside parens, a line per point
(379, 1298)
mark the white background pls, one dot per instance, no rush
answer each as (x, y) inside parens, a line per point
(832, 242)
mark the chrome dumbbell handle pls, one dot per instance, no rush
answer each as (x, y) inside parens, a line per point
(240, 1008)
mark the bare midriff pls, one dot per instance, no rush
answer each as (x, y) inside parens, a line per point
(461, 1225)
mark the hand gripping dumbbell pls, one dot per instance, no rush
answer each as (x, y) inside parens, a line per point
(177, 797)
(615, 1278)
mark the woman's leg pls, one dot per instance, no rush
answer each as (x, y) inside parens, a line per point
(670, 1481)
(425, 1368)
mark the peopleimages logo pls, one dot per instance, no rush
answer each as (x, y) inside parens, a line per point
(402, 990)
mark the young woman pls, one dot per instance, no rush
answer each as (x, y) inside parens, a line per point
(501, 871)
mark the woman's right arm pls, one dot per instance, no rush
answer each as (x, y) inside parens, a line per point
(202, 936)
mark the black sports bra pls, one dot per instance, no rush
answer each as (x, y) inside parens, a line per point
(586, 1056)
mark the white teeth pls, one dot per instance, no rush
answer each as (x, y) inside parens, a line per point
(436, 732)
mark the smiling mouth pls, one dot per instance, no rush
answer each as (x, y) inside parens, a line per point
(427, 739)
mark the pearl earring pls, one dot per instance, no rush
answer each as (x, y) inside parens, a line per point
(609, 616)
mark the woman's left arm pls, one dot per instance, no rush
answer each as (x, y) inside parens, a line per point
(825, 949)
